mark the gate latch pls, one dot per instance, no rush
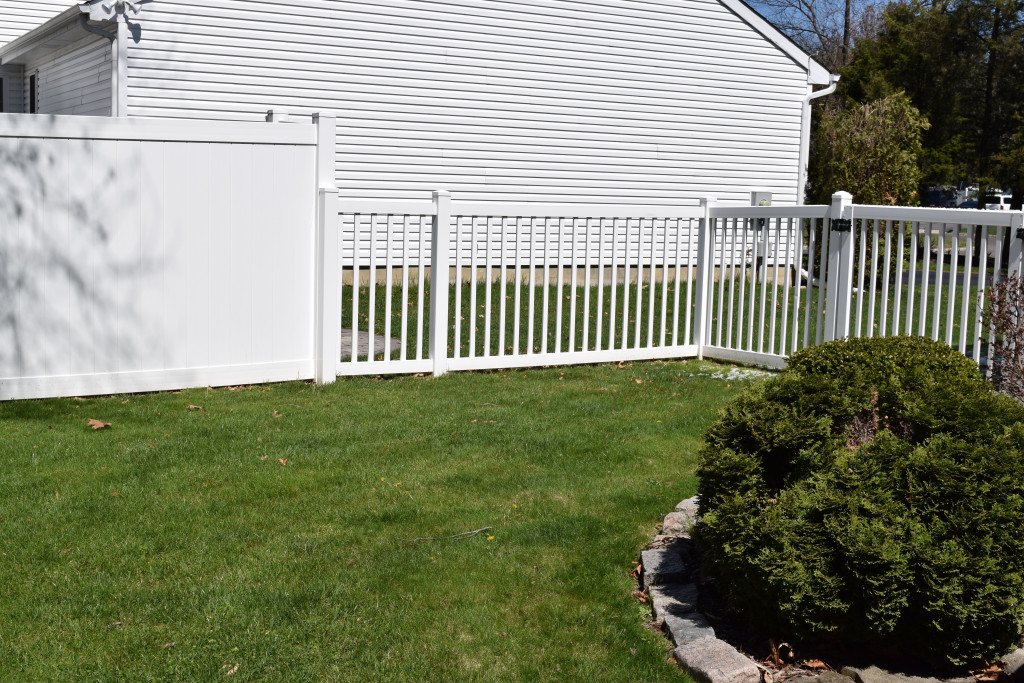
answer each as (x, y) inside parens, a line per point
(842, 224)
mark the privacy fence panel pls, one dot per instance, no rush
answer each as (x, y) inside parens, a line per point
(139, 255)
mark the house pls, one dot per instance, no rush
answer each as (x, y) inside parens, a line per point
(613, 101)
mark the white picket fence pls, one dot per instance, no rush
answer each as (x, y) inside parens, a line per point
(532, 285)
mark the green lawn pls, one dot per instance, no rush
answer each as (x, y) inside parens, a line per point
(174, 545)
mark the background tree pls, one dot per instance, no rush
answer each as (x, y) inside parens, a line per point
(961, 63)
(827, 29)
(869, 150)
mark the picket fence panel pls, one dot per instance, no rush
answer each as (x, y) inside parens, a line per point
(538, 285)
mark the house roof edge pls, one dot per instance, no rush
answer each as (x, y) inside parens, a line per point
(816, 73)
(28, 41)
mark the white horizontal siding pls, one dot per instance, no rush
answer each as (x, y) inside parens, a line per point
(612, 101)
(545, 242)
(75, 79)
(13, 90)
(21, 16)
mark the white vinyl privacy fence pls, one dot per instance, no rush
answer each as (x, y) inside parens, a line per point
(146, 254)
(527, 285)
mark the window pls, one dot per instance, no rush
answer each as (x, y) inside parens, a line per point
(33, 104)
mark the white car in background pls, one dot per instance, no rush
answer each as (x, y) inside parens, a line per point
(998, 202)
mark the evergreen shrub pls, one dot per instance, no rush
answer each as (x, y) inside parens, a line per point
(871, 493)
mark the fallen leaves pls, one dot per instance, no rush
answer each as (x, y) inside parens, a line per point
(192, 408)
(115, 624)
(781, 654)
(99, 424)
(276, 414)
(992, 672)
(283, 461)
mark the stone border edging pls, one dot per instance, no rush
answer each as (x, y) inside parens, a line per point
(666, 573)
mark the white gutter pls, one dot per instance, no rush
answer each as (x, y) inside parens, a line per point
(116, 11)
(805, 131)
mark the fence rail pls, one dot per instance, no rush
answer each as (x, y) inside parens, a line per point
(523, 285)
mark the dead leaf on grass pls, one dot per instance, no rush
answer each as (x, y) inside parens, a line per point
(115, 624)
(98, 424)
(275, 414)
(192, 408)
(168, 646)
(231, 671)
(283, 461)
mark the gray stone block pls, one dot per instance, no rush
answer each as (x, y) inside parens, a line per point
(661, 567)
(873, 674)
(689, 507)
(710, 660)
(676, 523)
(1014, 667)
(665, 542)
(675, 599)
(688, 627)
(828, 677)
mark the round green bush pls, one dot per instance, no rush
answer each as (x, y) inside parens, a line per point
(871, 493)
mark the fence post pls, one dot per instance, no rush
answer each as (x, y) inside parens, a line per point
(439, 277)
(705, 276)
(327, 296)
(1014, 265)
(839, 277)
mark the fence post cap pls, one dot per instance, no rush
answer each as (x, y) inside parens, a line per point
(442, 193)
(277, 115)
(323, 115)
(707, 201)
(842, 195)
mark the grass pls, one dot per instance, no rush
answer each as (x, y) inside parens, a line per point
(174, 545)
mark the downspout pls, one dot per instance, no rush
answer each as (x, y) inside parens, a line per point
(805, 131)
(119, 60)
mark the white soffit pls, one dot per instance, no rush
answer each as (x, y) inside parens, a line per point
(54, 34)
